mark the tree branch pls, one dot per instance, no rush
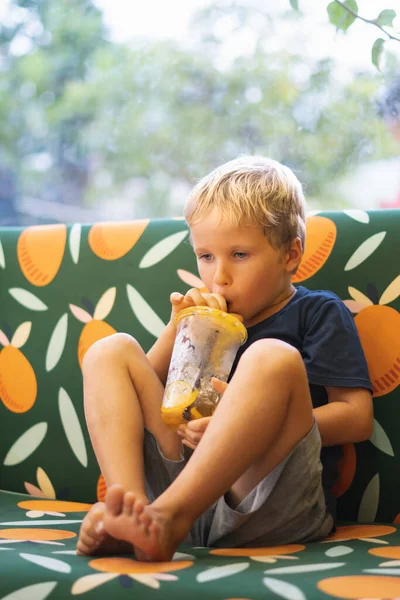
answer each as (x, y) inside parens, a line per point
(371, 22)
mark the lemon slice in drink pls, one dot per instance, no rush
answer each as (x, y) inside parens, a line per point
(178, 396)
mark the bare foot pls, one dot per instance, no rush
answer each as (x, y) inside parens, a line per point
(154, 533)
(94, 540)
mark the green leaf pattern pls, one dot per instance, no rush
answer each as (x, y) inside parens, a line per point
(50, 442)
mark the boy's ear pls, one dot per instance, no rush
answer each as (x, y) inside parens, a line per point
(294, 255)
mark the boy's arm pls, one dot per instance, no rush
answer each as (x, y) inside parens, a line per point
(160, 354)
(347, 418)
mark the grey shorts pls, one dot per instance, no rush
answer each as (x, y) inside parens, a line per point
(288, 506)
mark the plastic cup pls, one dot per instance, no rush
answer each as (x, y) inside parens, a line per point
(206, 343)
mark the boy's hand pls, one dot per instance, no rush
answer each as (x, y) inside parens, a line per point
(195, 298)
(192, 433)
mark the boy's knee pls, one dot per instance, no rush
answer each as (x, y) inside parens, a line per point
(274, 355)
(112, 346)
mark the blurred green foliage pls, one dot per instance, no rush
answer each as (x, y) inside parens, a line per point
(81, 117)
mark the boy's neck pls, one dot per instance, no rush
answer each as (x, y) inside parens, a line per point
(280, 301)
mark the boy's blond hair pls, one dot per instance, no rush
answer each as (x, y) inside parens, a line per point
(253, 190)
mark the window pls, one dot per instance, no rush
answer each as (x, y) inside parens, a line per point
(113, 110)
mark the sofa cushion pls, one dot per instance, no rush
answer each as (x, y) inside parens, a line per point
(38, 560)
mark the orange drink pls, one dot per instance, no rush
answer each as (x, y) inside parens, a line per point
(206, 343)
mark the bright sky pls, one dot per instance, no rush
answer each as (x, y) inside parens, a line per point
(129, 20)
(161, 19)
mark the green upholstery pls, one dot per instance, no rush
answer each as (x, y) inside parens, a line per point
(61, 288)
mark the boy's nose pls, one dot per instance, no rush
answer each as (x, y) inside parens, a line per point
(221, 277)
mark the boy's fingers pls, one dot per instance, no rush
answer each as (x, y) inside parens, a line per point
(176, 298)
(211, 301)
(239, 317)
(195, 297)
(221, 302)
(189, 444)
(198, 425)
(219, 385)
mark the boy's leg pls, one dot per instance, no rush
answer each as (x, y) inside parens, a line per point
(122, 395)
(262, 416)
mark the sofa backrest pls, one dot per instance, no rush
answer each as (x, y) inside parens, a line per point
(63, 287)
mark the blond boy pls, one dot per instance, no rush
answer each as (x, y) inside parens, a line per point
(250, 475)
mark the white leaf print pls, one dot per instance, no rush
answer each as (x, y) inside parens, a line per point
(365, 250)
(72, 427)
(27, 299)
(162, 249)
(304, 568)
(72, 552)
(2, 257)
(392, 292)
(358, 215)
(144, 313)
(75, 241)
(219, 572)
(148, 580)
(57, 343)
(105, 304)
(34, 514)
(390, 563)
(4, 339)
(82, 315)
(183, 556)
(26, 444)
(370, 501)
(339, 551)
(21, 334)
(373, 541)
(380, 439)
(37, 591)
(89, 582)
(165, 577)
(284, 589)
(383, 571)
(47, 542)
(45, 484)
(359, 297)
(53, 564)
(264, 559)
(190, 279)
(41, 522)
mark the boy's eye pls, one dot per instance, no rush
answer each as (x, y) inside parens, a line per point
(240, 254)
(205, 257)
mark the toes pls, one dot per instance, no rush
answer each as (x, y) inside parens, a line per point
(145, 520)
(98, 523)
(114, 499)
(139, 507)
(86, 543)
(128, 504)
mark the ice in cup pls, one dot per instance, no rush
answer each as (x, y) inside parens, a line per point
(206, 343)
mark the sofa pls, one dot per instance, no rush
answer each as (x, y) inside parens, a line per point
(62, 287)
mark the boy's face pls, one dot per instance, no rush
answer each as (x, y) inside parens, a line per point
(238, 262)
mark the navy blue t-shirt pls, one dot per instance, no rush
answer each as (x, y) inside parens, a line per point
(322, 329)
